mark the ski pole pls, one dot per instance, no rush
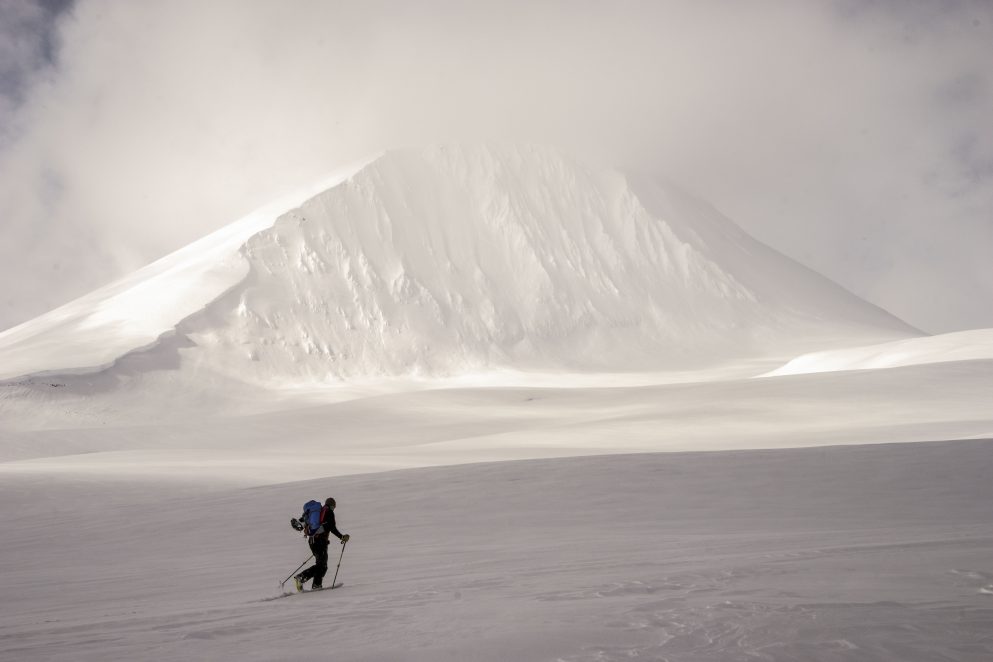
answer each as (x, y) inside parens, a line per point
(339, 563)
(295, 571)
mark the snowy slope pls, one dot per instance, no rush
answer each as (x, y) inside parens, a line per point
(960, 346)
(90, 333)
(140, 435)
(872, 554)
(453, 259)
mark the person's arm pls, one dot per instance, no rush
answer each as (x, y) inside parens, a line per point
(329, 525)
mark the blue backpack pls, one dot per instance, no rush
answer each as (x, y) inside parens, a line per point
(311, 518)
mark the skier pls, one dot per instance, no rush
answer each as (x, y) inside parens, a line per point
(318, 538)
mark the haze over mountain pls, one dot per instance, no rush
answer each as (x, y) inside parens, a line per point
(439, 261)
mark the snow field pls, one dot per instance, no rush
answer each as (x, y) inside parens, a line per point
(157, 433)
(868, 553)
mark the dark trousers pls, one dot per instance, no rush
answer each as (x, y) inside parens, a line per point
(319, 546)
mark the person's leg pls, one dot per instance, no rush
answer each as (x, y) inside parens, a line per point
(310, 572)
(321, 567)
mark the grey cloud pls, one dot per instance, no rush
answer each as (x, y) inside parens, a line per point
(29, 40)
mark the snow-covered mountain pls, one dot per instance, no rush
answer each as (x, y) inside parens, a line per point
(453, 259)
(449, 260)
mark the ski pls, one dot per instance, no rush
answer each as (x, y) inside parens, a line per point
(315, 590)
(288, 594)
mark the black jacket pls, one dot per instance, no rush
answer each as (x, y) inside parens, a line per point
(327, 525)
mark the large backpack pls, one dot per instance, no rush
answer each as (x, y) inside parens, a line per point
(311, 517)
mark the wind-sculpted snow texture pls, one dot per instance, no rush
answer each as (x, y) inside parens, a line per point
(448, 260)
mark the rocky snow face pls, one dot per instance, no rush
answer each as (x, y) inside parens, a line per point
(452, 259)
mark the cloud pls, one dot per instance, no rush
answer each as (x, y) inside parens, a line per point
(27, 44)
(851, 135)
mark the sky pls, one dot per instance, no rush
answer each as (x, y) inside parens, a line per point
(854, 136)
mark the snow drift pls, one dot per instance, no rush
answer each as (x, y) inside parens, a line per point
(454, 259)
(973, 345)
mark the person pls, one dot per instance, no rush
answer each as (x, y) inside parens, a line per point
(318, 540)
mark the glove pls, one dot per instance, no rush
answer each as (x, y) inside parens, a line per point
(345, 538)
(295, 523)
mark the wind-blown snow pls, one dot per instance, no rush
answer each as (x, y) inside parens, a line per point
(454, 259)
(960, 346)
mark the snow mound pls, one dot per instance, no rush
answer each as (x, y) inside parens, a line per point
(960, 346)
(454, 259)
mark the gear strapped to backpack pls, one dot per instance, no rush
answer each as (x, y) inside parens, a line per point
(310, 520)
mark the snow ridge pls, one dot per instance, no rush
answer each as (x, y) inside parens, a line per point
(134, 313)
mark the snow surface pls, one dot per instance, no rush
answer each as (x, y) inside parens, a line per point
(482, 353)
(960, 346)
(135, 312)
(165, 539)
(155, 434)
(866, 553)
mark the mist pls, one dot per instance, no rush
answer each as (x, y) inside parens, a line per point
(852, 136)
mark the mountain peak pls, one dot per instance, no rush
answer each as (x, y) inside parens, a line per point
(455, 258)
